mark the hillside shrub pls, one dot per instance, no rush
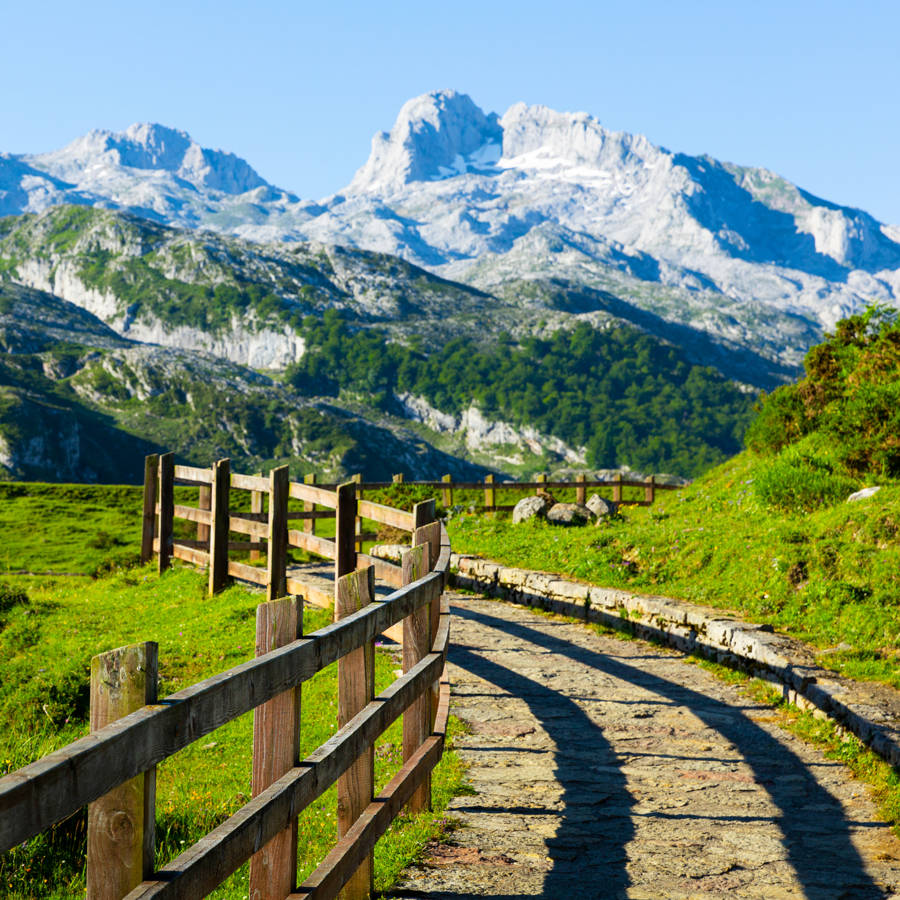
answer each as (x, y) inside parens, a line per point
(798, 480)
(849, 397)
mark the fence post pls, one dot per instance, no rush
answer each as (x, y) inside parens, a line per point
(428, 533)
(219, 526)
(398, 478)
(356, 688)
(580, 491)
(256, 506)
(447, 498)
(166, 509)
(541, 477)
(417, 639)
(148, 529)
(309, 525)
(344, 531)
(490, 492)
(357, 480)
(276, 565)
(617, 488)
(650, 490)
(122, 823)
(276, 749)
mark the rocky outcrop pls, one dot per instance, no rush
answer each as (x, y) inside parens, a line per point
(527, 508)
(569, 514)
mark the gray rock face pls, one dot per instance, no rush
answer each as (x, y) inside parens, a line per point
(528, 508)
(600, 507)
(569, 514)
(863, 494)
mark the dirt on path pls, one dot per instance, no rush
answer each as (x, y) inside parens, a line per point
(610, 768)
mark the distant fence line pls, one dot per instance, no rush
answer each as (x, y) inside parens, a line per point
(113, 770)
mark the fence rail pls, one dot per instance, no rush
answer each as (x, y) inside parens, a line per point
(127, 743)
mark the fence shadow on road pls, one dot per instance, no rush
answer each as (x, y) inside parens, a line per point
(815, 831)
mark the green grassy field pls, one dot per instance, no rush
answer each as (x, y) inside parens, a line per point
(826, 575)
(51, 625)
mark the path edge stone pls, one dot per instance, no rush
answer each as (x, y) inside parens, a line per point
(869, 710)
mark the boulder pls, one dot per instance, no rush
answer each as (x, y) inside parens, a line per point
(528, 508)
(569, 514)
(600, 507)
(865, 492)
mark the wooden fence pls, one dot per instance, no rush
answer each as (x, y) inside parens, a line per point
(113, 769)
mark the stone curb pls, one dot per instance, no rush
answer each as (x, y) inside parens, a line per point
(870, 711)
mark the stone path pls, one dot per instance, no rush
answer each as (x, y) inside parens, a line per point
(610, 768)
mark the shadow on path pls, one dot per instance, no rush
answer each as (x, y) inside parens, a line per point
(815, 831)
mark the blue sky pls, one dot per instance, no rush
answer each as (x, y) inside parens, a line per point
(810, 90)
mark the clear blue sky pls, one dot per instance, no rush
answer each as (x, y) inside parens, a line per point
(808, 89)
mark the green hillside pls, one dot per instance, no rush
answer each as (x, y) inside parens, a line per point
(768, 534)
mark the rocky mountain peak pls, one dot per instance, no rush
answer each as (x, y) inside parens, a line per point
(150, 147)
(437, 135)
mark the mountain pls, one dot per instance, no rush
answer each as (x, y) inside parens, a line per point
(80, 403)
(219, 346)
(737, 253)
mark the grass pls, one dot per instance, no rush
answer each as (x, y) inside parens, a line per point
(50, 626)
(824, 574)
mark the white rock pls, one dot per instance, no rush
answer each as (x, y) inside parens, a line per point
(865, 492)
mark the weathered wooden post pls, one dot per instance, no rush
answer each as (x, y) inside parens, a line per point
(276, 749)
(428, 532)
(309, 525)
(617, 488)
(276, 564)
(356, 688)
(148, 528)
(256, 507)
(122, 823)
(398, 478)
(447, 498)
(357, 480)
(166, 509)
(650, 489)
(580, 491)
(490, 492)
(219, 526)
(345, 530)
(417, 640)
(541, 477)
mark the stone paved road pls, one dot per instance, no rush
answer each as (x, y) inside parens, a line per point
(609, 768)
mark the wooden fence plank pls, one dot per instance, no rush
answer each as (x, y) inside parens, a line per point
(192, 473)
(166, 509)
(219, 522)
(193, 514)
(345, 531)
(276, 748)
(384, 571)
(46, 791)
(313, 494)
(386, 515)
(199, 869)
(245, 525)
(312, 543)
(122, 823)
(331, 874)
(356, 689)
(249, 482)
(253, 574)
(415, 564)
(148, 524)
(276, 562)
(190, 554)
